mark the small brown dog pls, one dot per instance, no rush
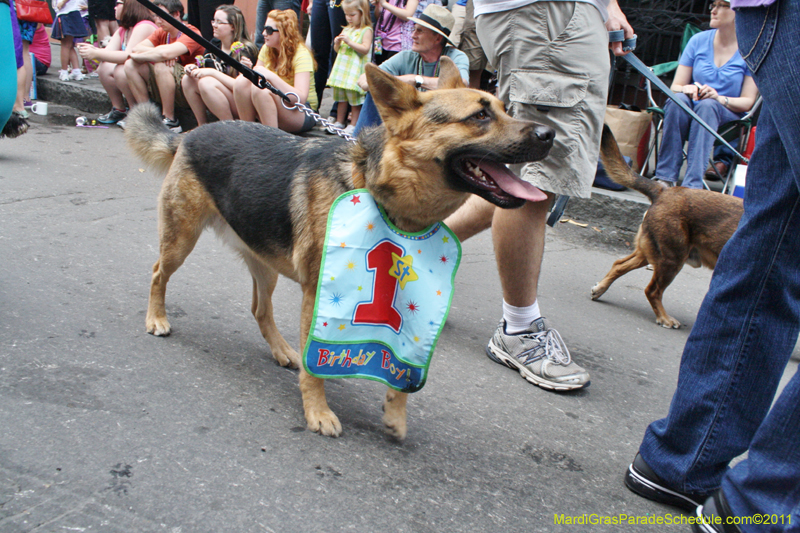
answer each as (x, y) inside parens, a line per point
(267, 193)
(678, 221)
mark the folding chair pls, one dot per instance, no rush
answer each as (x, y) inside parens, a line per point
(730, 131)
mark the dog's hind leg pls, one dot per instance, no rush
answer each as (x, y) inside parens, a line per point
(319, 416)
(265, 279)
(618, 269)
(663, 274)
(179, 226)
(394, 413)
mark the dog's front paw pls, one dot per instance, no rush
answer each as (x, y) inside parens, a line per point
(158, 326)
(668, 322)
(394, 414)
(324, 422)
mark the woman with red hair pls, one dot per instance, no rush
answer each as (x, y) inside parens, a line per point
(287, 65)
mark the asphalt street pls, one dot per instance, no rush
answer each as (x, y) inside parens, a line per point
(106, 428)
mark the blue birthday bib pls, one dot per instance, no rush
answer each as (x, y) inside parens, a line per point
(382, 297)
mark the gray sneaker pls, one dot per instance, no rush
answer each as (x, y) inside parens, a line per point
(539, 355)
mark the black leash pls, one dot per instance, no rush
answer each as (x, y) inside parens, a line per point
(255, 78)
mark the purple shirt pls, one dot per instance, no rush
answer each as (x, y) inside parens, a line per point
(750, 3)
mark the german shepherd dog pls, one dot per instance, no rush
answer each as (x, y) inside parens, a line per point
(267, 193)
(679, 221)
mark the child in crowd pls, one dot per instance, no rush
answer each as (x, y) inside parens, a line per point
(68, 25)
(390, 17)
(352, 47)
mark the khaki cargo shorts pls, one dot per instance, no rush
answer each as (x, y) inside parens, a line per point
(177, 74)
(552, 66)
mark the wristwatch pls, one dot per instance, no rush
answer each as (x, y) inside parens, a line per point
(418, 81)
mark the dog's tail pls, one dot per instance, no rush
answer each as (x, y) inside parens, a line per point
(149, 138)
(620, 172)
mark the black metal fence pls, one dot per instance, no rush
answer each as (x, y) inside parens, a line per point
(659, 26)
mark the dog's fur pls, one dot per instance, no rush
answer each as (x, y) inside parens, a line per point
(678, 221)
(268, 193)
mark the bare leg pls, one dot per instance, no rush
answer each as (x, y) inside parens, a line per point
(518, 236)
(190, 91)
(137, 75)
(471, 218)
(243, 96)
(106, 72)
(165, 81)
(217, 97)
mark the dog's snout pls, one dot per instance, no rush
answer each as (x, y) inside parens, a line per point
(544, 134)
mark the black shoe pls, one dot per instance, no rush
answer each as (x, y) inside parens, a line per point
(713, 516)
(643, 481)
(172, 124)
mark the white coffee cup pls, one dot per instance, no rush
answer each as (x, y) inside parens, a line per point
(40, 108)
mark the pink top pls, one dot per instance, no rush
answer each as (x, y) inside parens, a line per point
(40, 46)
(122, 31)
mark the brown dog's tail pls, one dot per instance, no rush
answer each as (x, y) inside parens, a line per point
(620, 172)
(149, 138)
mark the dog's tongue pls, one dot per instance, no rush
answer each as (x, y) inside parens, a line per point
(510, 183)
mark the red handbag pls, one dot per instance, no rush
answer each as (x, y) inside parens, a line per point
(34, 11)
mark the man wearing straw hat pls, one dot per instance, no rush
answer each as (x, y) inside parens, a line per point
(420, 65)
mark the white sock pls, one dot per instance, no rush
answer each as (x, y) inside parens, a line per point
(518, 319)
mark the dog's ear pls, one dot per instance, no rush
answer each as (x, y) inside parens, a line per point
(449, 76)
(392, 97)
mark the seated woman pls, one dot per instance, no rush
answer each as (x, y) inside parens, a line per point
(135, 25)
(713, 79)
(287, 64)
(207, 88)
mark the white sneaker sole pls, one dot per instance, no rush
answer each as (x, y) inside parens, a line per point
(510, 362)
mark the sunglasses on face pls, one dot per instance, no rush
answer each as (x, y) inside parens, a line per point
(718, 5)
(269, 30)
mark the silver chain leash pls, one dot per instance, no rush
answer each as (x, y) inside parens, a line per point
(327, 124)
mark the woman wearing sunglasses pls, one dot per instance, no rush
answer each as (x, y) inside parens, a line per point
(713, 79)
(209, 85)
(287, 64)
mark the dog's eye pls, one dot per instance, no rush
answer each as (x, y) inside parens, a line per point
(481, 115)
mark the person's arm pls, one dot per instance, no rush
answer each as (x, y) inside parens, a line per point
(618, 21)
(198, 73)
(400, 12)
(682, 82)
(738, 104)
(112, 53)
(158, 54)
(362, 47)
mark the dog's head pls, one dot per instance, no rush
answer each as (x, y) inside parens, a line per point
(438, 146)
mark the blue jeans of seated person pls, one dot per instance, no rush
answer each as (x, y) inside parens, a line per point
(368, 116)
(749, 321)
(678, 128)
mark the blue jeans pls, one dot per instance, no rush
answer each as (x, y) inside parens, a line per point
(680, 127)
(263, 9)
(749, 321)
(368, 116)
(326, 23)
